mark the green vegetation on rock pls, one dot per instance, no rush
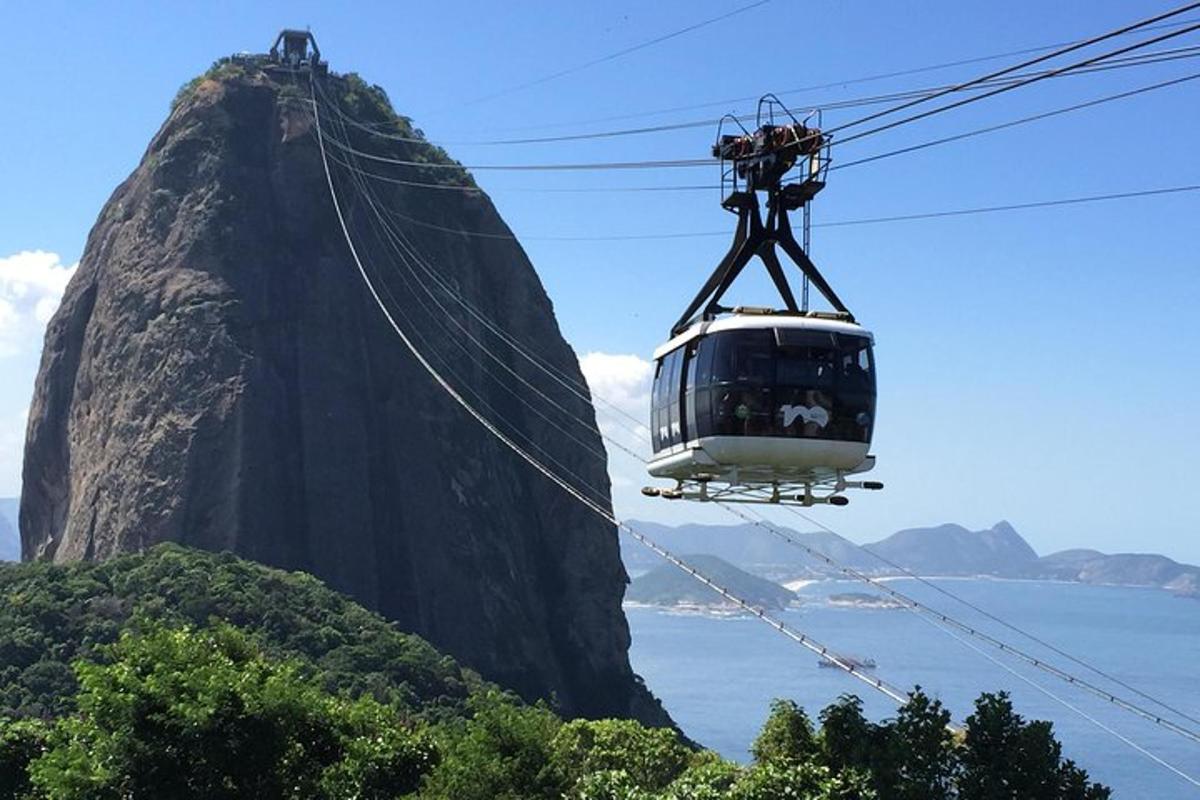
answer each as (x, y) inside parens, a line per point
(51, 615)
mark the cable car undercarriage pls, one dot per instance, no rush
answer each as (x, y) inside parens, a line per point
(762, 405)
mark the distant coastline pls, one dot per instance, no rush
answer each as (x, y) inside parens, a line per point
(942, 552)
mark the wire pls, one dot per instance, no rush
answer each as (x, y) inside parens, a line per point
(1140, 60)
(597, 165)
(914, 604)
(846, 165)
(958, 212)
(699, 162)
(925, 94)
(1065, 704)
(994, 618)
(1030, 62)
(1007, 648)
(580, 390)
(1034, 661)
(1014, 123)
(999, 90)
(403, 249)
(803, 639)
(1011, 207)
(822, 86)
(618, 54)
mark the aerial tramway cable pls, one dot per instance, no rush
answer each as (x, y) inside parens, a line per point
(620, 53)
(994, 92)
(401, 247)
(1073, 708)
(841, 662)
(1038, 663)
(433, 371)
(799, 637)
(832, 85)
(400, 243)
(1079, 45)
(376, 129)
(686, 163)
(865, 160)
(909, 602)
(994, 618)
(953, 212)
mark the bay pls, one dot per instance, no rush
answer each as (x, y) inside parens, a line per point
(717, 675)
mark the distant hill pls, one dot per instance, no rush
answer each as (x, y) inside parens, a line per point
(10, 539)
(945, 550)
(748, 546)
(954, 550)
(1122, 569)
(667, 585)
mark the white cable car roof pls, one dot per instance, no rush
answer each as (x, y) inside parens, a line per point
(756, 319)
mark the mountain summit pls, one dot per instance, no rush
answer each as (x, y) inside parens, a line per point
(217, 375)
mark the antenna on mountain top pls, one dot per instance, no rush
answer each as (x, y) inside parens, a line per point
(296, 54)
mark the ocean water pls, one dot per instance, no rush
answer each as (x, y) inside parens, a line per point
(718, 675)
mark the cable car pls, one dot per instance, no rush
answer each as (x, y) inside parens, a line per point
(760, 404)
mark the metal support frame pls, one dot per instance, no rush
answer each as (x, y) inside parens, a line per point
(757, 162)
(791, 493)
(754, 237)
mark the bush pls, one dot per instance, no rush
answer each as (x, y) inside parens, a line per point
(502, 751)
(650, 758)
(186, 714)
(787, 737)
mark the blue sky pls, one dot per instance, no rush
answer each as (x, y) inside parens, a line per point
(1037, 366)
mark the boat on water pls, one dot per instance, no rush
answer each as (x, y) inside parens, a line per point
(857, 663)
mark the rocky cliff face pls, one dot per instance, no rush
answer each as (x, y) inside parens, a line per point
(218, 376)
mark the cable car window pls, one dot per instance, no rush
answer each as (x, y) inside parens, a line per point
(701, 425)
(658, 424)
(794, 383)
(689, 389)
(676, 399)
(705, 348)
(801, 337)
(742, 357)
(659, 383)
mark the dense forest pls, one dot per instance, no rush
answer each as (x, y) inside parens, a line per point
(185, 674)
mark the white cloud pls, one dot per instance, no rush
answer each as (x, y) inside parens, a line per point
(12, 447)
(31, 287)
(620, 381)
(620, 387)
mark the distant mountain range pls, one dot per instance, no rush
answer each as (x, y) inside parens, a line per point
(10, 540)
(945, 550)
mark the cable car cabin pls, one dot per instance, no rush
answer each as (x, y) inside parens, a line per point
(764, 404)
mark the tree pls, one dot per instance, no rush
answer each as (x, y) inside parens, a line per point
(1007, 758)
(709, 777)
(787, 736)
(21, 742)
(783, 780)
(204, 714)
(916, 754)
(847, 739)
(500, 752)
(651, 758)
